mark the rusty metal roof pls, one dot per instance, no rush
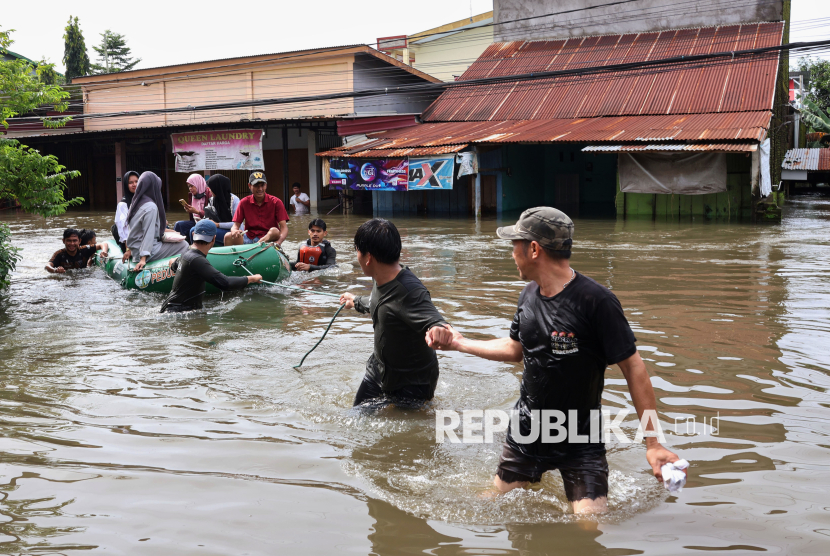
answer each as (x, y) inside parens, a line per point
(807, 159)
(709, 86)
(711, 147)
(709, 128)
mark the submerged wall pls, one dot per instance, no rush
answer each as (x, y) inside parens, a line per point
(516, 177)
(735, 203)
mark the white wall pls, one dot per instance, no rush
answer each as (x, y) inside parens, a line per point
(637, 17)
(450, 56)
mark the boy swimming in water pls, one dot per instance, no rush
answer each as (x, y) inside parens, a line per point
(74, 255)
(402, 369)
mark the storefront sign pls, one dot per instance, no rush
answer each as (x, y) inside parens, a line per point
(431, 173)
(385, 174)
(233, 149)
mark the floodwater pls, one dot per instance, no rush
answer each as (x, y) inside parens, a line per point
(131, 432)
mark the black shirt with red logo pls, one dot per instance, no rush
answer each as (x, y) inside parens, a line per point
(568, 341)
(80, 259)
(318, 257)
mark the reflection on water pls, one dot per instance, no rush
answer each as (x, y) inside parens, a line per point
(130, 431)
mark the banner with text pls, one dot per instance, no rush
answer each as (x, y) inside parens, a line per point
(233, 149)
(385, 174)
(431, 173)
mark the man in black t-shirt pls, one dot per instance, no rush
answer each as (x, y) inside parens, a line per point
(402, 369)
(567, 330)
(73, 255)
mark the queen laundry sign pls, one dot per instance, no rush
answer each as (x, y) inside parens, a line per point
(232, 149)
(432, 173)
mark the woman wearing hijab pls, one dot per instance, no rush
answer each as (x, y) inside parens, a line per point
(120, 230)
(199, 195)
(147, 221)
(223, 204)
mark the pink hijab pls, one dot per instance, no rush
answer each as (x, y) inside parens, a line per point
(201, 187)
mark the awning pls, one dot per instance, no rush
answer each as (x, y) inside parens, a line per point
(743, 127)
(807, 159)
(694, 147)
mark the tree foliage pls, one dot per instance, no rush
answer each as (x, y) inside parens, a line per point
(36, 181)
(819, 87)
(113, 54)
(75, 57)
(815, 117)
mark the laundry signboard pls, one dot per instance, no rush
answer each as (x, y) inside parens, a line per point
(432, 173)
(230, 149)
(384, 174)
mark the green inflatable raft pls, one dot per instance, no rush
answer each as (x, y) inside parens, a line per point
(156, 276)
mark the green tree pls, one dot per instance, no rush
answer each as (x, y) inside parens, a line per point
(75, 57)
(34, 180)
(819, 88)
(113, 54)
(47, 74)
(816, 118)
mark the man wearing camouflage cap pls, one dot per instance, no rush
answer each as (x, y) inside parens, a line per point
(567, 330)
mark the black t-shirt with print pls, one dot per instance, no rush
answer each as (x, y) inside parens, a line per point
(568, 341)
(79, 260)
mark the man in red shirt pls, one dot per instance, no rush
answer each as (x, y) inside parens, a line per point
(264, 215)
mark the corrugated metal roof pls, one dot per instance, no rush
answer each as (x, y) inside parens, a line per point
(807, 159)
(741, 126)
(712, 147)
(710, 86)
(392, 153)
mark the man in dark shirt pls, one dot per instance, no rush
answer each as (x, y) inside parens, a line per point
(73, 255)
(402, 369)
(193, 270)
(316, 253)
(567, 330)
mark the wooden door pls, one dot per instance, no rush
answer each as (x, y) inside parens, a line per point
(567, 194)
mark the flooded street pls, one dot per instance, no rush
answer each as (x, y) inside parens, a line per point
(139, 433)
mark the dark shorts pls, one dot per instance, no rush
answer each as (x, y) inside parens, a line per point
(584, 475)
(370, 394)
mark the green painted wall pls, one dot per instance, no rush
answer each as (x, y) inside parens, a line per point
(735, 203)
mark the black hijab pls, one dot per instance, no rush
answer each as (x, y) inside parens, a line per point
(128, 195)
(149, 191)
(220, 186)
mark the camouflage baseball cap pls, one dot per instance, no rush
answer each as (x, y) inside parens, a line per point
(551, 228)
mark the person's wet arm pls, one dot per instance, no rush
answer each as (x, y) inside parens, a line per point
(418, 312)
(500, 349)
(642, 396)
(283, 224)
(209, 274)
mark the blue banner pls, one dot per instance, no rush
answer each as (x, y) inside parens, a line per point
(432, 173)
(386, 174)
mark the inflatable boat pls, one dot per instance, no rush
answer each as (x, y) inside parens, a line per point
(265, 259)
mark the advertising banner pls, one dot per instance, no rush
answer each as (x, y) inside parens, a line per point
(233, 149)
(385, 174)
(431, 173)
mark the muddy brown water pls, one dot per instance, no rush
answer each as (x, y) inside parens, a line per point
(130, 432)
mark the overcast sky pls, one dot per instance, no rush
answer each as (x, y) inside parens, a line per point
(167, 32)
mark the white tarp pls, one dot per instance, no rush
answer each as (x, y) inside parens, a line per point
(670, 173)
(766, 181)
